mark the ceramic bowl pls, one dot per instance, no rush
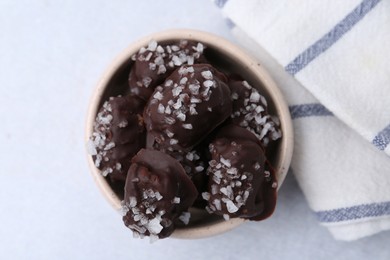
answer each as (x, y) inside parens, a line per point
(227, 56)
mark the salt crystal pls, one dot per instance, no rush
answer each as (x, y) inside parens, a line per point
(217, 204)
(232, 171)
(259, 109)
(173, 141)
(147, 58)
(106, 171)
(205, 195)
(194, 89)
(234, 96)
(254, 97)
(177, 105)
(175, 48)
(152, 45)
(168, 110)
(98, 160)
(199, 47)
(193, 111)
(123, 124)
(169, 133)
(154, 226)
(216, 179)
(190, 156)
(199, 168)
(158, 95)
(185, 217)
(176, 91)
(160, 109)
(212, 163)
(181, 117)
(207, 74)
(152, 66)
(246, 84)
(231, 207)
(274, 185)
(146, 81)
(208, 83)
(136, 234)
(226, 162)
(168, 83)
(224, 191)
(176, 60)
(195, 100)
(187, 126)
(190, 60)
(158, 195)
(161, 69)
(160, 49)
(118, 166)
(176, 200)
(257, 166)
(226, 217)
(183, 80)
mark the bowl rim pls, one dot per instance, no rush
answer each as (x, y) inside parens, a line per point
(234, 51)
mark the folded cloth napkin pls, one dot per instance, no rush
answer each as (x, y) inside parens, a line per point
(331, 60)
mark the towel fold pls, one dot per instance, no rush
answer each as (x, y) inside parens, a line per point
(331, 59)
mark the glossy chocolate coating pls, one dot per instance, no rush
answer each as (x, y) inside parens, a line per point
(119, 133)
(193, 101)
(239, 184)
(152, 65)
(157, 193)
(250, 111)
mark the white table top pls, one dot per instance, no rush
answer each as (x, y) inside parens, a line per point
(52, 53)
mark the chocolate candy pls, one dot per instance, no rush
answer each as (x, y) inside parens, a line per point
(119, 133)
(193, 101)
(238, 179)
(250, 111)
(158, 192)
(153, 64)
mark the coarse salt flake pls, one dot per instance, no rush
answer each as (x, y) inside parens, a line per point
(187, 126)
(158, 95)
(185, 217)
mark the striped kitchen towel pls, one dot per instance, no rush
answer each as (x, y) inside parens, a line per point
(332, 61)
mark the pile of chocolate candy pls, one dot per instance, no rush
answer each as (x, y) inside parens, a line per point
(185, 135)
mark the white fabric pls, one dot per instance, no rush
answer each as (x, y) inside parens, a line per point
(340, 161)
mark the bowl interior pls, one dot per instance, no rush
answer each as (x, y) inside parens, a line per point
(226, 57)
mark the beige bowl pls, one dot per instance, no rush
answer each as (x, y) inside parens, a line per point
(229, 56)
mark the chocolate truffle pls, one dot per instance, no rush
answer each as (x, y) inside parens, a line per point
(158, 193)
(154, 63)
(119, 133)
(250, 111)
(192, 102)
(239, 184)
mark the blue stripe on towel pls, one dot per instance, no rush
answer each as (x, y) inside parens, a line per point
(220, 3)
(331, 37)
(354, 212)
(306, 110)
(382, 139)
